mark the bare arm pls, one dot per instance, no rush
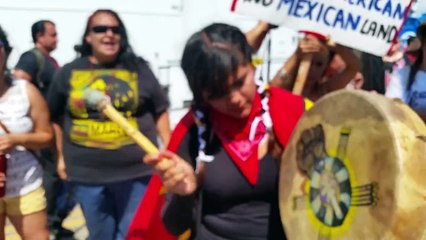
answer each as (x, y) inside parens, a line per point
(21, 74)
(163, 127)
(60, 161)
(256, 35)
(287, 74)
(353, 65)
(42, 135)
(58, 138)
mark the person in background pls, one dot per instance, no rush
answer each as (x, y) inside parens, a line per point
(395, 59)
(227, 161)
(319, 80)
(373, 71)
(409, 82)
(24, 127)
(38, 66)
(337, 65)
(103, 164)
(413, 45)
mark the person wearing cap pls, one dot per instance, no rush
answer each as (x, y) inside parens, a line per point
(409, 83)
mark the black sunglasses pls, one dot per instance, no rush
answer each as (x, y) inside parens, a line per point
(104, 29)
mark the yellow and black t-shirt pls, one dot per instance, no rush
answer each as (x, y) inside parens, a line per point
(95, 148)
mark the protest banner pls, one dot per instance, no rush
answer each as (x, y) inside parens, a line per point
(365, 25)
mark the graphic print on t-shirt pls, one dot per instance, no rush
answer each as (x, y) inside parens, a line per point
(91, 128)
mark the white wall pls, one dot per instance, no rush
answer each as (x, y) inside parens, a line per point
(142, 21)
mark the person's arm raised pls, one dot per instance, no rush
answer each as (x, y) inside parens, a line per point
(353, 65)
(286, 76)
(256, 35)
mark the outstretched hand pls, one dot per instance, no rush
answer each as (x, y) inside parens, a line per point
(177, 174)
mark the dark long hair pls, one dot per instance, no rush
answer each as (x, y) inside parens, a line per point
(421, 34)
(126, 56)
(3, 39)
(211, 56)
(7, 49)
(415, 68)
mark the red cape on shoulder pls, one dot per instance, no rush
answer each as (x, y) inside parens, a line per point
(285, 110)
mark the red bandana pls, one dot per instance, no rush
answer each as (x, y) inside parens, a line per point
(234, 135)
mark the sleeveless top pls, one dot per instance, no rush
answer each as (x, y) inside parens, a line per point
(24, 172)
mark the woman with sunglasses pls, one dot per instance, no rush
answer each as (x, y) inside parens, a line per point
(24, 127)
(103, 164)
(228, 146)
(409, 82)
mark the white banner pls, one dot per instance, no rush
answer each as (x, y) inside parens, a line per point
(366, 25)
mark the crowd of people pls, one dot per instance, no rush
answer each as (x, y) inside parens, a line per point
(408, 83)
(60, 151)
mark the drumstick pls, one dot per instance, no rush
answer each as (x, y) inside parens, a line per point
(302, 73)
(97, 100)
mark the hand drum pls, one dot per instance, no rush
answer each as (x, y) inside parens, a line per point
(355, 168)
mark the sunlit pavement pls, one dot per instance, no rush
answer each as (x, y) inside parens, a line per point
(74, 222)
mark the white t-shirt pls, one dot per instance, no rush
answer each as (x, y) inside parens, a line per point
(416, 96)
(24, 172)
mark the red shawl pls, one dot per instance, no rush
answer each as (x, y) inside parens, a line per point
(285, 110)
